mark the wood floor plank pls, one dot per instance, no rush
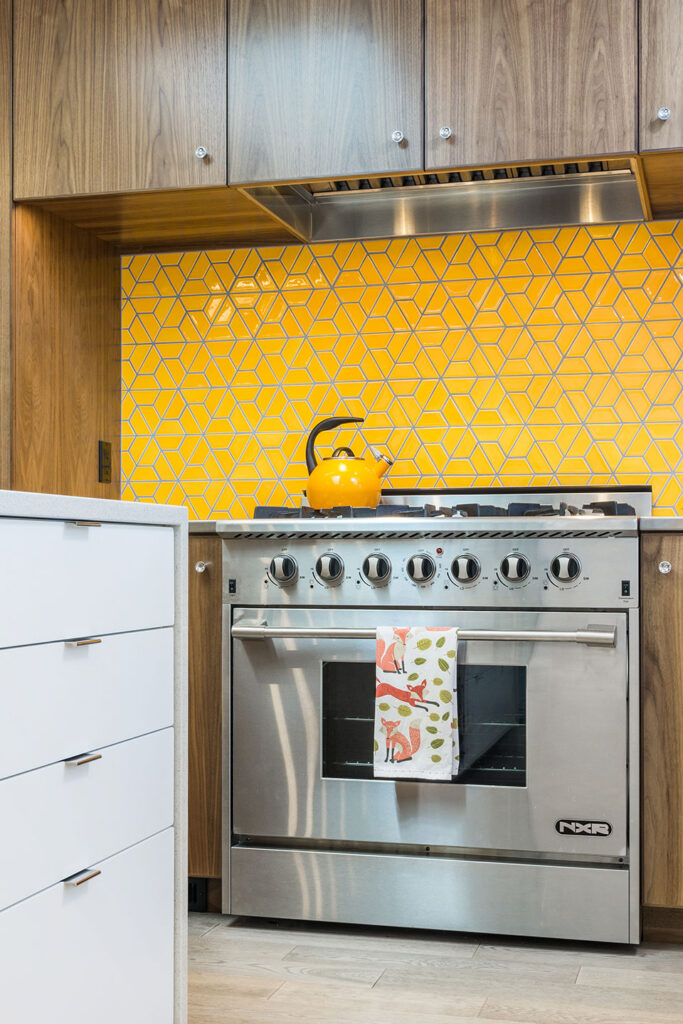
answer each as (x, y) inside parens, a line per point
(481, 973)
(581, 1004)
(338, 973)
(420, 1004)
(642, 958)
(644, 981)
(201, 924)
(415, 958)
(353, 937)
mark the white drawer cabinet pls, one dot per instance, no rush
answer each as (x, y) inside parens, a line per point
(70, 814)
(97, 953)
(58, 699)
(61, 579)
(93, 669)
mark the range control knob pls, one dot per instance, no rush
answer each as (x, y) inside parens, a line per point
(329, 568)
(284, 570)
(515, 568)
(565, 568)
(377, 570)
(465, 569)
(421, 568)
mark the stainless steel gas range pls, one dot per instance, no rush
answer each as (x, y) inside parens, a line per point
(537, 834)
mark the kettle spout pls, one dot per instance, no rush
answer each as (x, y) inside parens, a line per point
(378, 462)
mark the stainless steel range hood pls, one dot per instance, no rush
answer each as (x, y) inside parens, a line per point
(494, 200)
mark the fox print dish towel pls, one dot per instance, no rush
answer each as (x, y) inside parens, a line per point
(416, 703)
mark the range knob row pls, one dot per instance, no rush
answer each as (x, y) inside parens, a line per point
(421, 568)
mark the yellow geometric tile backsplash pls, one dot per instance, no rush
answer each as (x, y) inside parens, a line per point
(510, 358)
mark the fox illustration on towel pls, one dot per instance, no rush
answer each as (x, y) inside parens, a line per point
(416, 713)
(391, 656)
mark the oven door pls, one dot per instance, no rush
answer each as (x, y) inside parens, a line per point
(543, 735)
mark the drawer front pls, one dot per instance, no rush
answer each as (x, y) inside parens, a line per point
(70, 814)
(58, 699)
(101, 951)
(63, 580)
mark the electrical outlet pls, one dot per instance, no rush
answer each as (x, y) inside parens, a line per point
(104, 476)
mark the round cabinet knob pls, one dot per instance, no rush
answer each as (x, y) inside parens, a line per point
(284, 570)
(201, 152)
(201, 566)
(397, 136)
(664, 113)
(329, 568)
(665, 567)
(565, 568)
(515, 568)
(377, 569)
(465, 569)
(445, 132)
(421, 568)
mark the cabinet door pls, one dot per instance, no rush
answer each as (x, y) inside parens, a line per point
(116, 95)
(205, 707)
(529, 80)
(318, 87)
(661, 74)
(662, 718)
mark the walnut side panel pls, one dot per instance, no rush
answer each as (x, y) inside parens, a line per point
(317, 87)
(663, 173)
(66, 357)
(116, 95)
(529, 80)
(662, 719)
(5, 234)
(661, 73)
(205, 708)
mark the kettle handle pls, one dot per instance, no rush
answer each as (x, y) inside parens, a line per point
(334, 421)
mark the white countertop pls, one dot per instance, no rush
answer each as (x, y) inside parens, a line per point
(60, 506)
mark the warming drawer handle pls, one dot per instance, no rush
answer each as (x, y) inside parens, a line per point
(601, 636)
(82, 877)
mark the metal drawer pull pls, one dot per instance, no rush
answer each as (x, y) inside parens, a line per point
(83, 522)
(83, 643)
(75, 762)
(81, 878)
(603, 636)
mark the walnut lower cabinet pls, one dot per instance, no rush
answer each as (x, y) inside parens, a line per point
(93, 866)
(661, 575)
(205, 710)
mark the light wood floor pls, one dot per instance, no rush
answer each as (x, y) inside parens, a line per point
(253, 971)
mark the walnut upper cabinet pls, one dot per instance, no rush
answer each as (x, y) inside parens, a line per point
(118, 95)
(512, 81)
(661, 74)
(324, 88)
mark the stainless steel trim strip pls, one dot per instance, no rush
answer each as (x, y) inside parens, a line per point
(603, 637)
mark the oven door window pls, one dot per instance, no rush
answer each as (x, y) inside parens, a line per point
(491, 722)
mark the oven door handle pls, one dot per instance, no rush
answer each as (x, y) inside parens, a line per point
(600, 636)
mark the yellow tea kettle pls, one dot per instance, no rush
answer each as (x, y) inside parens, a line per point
(343, 479)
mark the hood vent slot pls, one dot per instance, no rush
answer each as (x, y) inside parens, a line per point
(489, 199)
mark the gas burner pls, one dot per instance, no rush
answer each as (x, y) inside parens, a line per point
(515, 509)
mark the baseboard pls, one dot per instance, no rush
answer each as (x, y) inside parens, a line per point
(662, 924)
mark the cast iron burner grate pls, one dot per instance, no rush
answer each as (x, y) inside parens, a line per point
(515, 509)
